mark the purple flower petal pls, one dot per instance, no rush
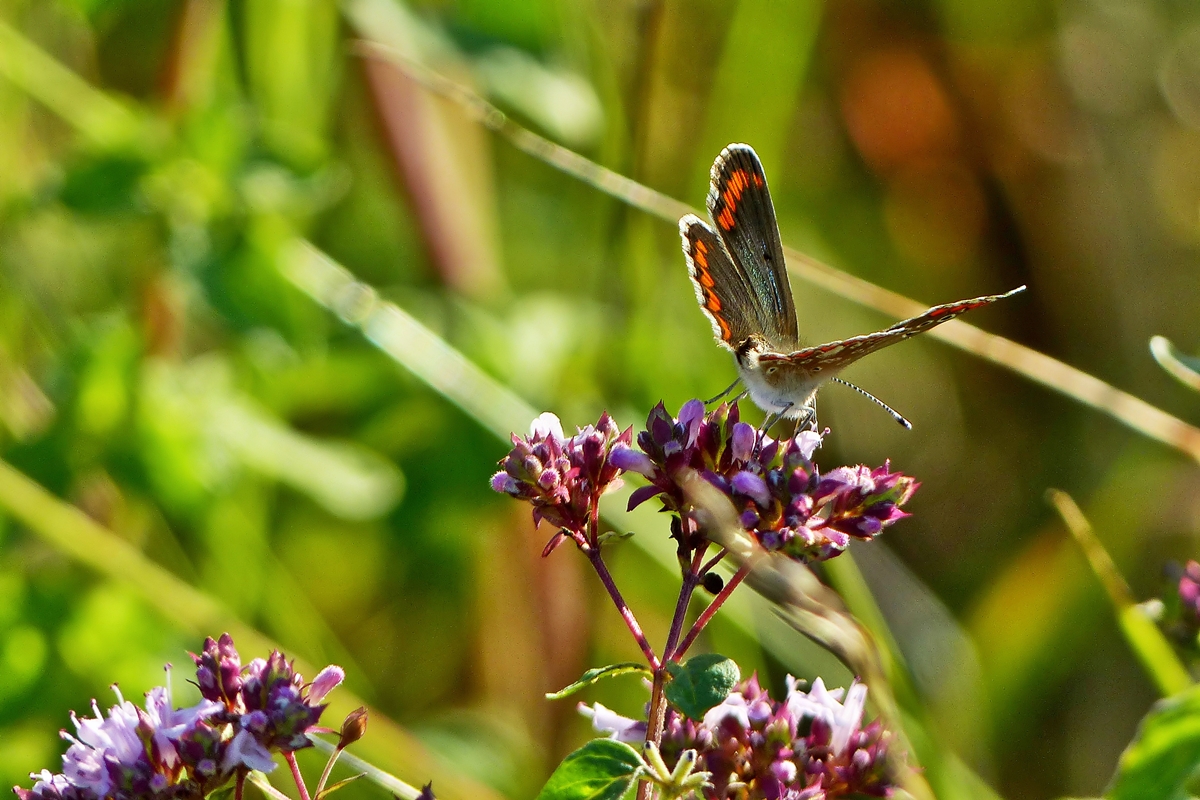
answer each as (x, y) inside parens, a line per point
(326, 681)
(245, 751)
(742, 441)
(641, 495)
(630, 460)
(752, 486)
(690, 417)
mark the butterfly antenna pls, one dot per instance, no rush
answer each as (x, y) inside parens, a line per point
(895, 414)
(728, 389)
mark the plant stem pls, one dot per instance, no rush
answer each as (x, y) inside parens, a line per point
(691, 579)
(654, 722)
(658, 698)
(328, 769)
(713, 607)
(240, 785)
(712, 562)
(631, 622)
(296, 776)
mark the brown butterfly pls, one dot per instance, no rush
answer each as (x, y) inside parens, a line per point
(742, 286)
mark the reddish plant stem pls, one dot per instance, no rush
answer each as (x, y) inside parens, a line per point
(713, 607)
(712, 562)
(657, 717)
(631, 622)
(691, 579)
(296, 776)
(240, 785)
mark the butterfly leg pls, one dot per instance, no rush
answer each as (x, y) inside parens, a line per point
(728, 389)
(807, 418)
(771, 419)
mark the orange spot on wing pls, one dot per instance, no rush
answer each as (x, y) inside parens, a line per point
(735, 185)
(726, 330)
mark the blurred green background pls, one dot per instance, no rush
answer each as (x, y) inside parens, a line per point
(159, 158)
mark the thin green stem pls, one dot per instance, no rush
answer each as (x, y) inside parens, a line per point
(328, 769)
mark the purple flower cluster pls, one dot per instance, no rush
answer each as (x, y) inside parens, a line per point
(1178, 610)
(781, 497)
(811, 746)
(563, 477)
(247, 714)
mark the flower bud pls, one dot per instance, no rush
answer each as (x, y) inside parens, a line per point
(353, 727)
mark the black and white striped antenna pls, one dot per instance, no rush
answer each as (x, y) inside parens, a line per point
(895, 414)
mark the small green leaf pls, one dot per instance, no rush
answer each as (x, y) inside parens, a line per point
(603, 769)
(1164, 754)
(340, 785)
(594, 675)
(701, 683)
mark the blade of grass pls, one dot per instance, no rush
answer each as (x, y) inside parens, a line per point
(944, 771)
(767, 46)
(76, 535)
(101, 119)
(1149, 645)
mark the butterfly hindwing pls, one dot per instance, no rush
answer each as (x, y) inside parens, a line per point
(740, 205)
(724, 294)
(836, 355)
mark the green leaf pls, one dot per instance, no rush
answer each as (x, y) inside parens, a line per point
(340, 785)
(1164, 754)
(1153, 650)
(603, 769)
(701, 683)
(594, 675)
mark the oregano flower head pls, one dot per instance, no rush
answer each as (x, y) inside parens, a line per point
(247, 716)
(810, 746)
(781, 496)
(563, 477)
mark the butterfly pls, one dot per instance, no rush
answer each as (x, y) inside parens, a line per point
(741, 281)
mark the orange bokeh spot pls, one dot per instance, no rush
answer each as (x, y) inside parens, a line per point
(896, 109)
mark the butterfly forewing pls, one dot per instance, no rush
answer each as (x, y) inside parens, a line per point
(740, 205)
(836, 355)
(723, 291)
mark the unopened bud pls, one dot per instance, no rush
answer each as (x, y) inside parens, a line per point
(353, 728)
